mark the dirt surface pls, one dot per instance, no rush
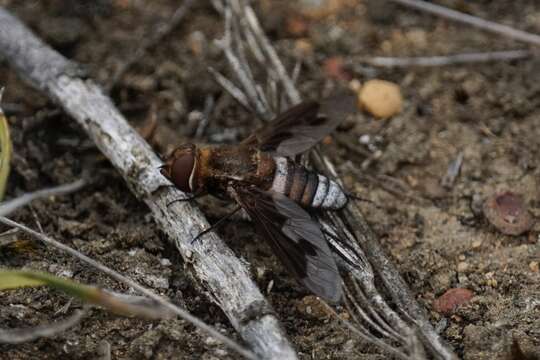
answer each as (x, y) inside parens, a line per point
(436, 235)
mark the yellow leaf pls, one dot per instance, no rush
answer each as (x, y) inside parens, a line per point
(5, 150)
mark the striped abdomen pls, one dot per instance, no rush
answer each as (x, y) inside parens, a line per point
(307, 188)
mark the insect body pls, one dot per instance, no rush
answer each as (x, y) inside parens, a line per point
(276, 192)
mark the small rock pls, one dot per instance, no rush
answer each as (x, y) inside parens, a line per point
(297, 26)
(380, 98)
(334, 68)
(508, 213)
(462, 266)
(318, 9)
(311, 306)
(451, 300)
(303, 48)
(533, 265)
(477, 243)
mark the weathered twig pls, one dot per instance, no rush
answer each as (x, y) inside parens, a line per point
(427, 61)
(18, 336)
(475, 21)
(161, 31)
(8, 207)
(219, 272)
(135, 285)
(358, 246)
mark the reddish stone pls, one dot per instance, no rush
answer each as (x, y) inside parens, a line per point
(448, 302)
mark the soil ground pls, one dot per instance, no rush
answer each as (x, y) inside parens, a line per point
(436, 235)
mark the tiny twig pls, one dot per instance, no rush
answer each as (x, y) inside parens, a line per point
(8, 207)
(448, 59)
(18, 336)
(230, 88)
(207, 113)
(135, 285)
(162, 30)
(475, 21)
(453, 171)
(366, 336)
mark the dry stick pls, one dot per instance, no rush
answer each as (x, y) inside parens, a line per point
(161, 31)
(224, 277)
(8, 207)
(475, 21)
(367, 337)
(22, 335)
(446, 60)
(392, 280)
(135, 285)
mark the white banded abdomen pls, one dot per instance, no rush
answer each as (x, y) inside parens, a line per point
(307, 188)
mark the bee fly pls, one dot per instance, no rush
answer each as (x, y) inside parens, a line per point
(275, 191)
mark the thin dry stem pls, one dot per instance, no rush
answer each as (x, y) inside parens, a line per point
(504, 30)
(135, 285)
(8, 207)
(455, 59)
(18, 336)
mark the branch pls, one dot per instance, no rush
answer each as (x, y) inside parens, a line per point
(18, 336)
(219, 272)
(465, 58)
(8, 207)
(475, 21)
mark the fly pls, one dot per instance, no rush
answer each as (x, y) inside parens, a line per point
(261, 176)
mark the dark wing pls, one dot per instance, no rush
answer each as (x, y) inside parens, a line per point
(296, 239)
(301, 127)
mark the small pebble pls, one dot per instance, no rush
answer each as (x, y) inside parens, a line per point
(312, 306)
(533, 265)
(334, 68)
(297, 26)
(448, 302)
(477, 243)
(508, 213)
(462, 266)
(380, 98)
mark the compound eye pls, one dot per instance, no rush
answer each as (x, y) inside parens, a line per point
(182, 168)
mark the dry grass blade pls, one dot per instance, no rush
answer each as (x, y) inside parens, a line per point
(14, 279)
(475, 21)
(8, 207)
(455, 59)
(121, 278)
(5, 149)
(18, 336)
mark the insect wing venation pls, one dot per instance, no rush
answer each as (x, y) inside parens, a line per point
(295, 238)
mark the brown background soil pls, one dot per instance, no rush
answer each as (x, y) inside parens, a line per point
(435, 235)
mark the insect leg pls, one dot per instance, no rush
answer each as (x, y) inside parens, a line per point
(214, 226)
(189, 198)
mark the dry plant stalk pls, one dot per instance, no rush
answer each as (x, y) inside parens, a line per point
(454, 59)
(219, 273)
(444, 12)
(357, 250)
